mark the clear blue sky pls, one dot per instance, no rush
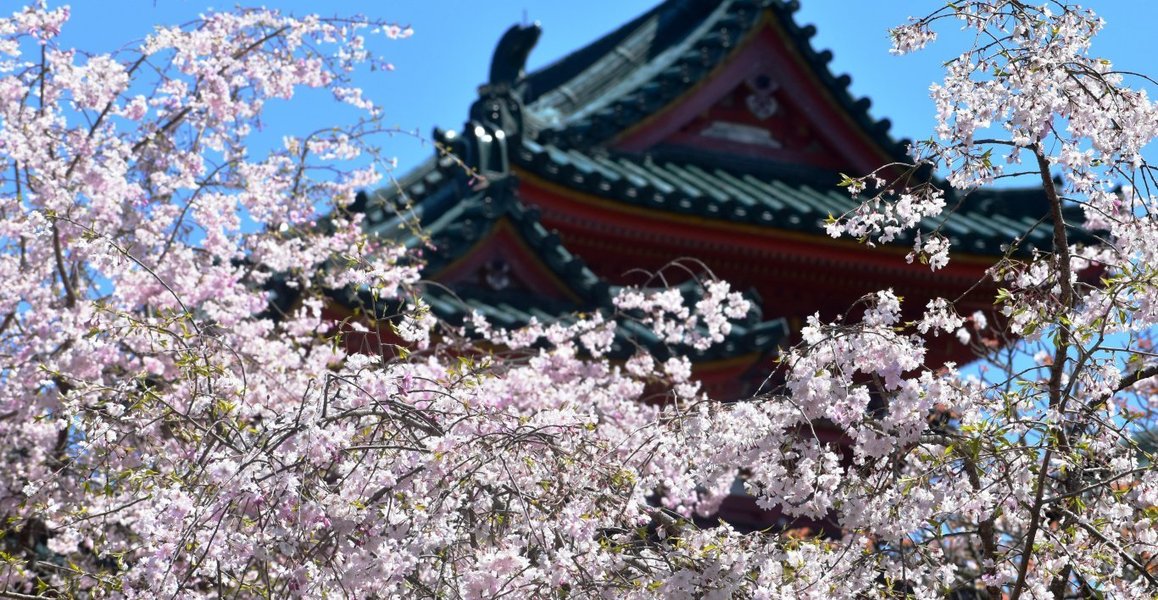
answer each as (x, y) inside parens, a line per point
(439, 68)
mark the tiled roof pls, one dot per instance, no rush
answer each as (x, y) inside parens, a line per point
(755, 194)
(464, 223)
(634, 68)
(574, 105)
(979, 223)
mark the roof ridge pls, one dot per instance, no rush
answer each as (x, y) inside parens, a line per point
(598, 99)
(637, 56)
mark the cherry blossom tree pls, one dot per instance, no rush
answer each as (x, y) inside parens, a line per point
(173, 429)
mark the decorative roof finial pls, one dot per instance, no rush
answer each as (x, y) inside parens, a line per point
(509, 63)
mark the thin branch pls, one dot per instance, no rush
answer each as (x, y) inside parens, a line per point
(1057, 369)
(58, 255)
(1135, 377)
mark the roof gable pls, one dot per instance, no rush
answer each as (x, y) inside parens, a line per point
(757, 117)
(765, 99)
(648, 89)
(502, 262)
(489, 240)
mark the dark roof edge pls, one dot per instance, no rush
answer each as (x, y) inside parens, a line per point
(564, 69)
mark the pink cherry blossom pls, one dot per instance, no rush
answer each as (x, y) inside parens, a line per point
(184, 416)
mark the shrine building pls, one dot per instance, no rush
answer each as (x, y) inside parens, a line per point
(703, 132)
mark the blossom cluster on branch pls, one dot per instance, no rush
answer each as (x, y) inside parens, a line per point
(171, 430)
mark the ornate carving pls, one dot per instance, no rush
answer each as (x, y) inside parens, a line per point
(496, 118)
(497, 274)
(761, 101)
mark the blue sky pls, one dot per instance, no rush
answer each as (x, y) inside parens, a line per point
(439, 68)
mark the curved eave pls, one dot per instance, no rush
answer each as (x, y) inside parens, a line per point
(770, 239)
(758, 205)
(420, 197)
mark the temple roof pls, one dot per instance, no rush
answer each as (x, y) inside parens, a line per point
(559, 124)
(709, 129)
(453, 230)
(757, 194)
(981, 222)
